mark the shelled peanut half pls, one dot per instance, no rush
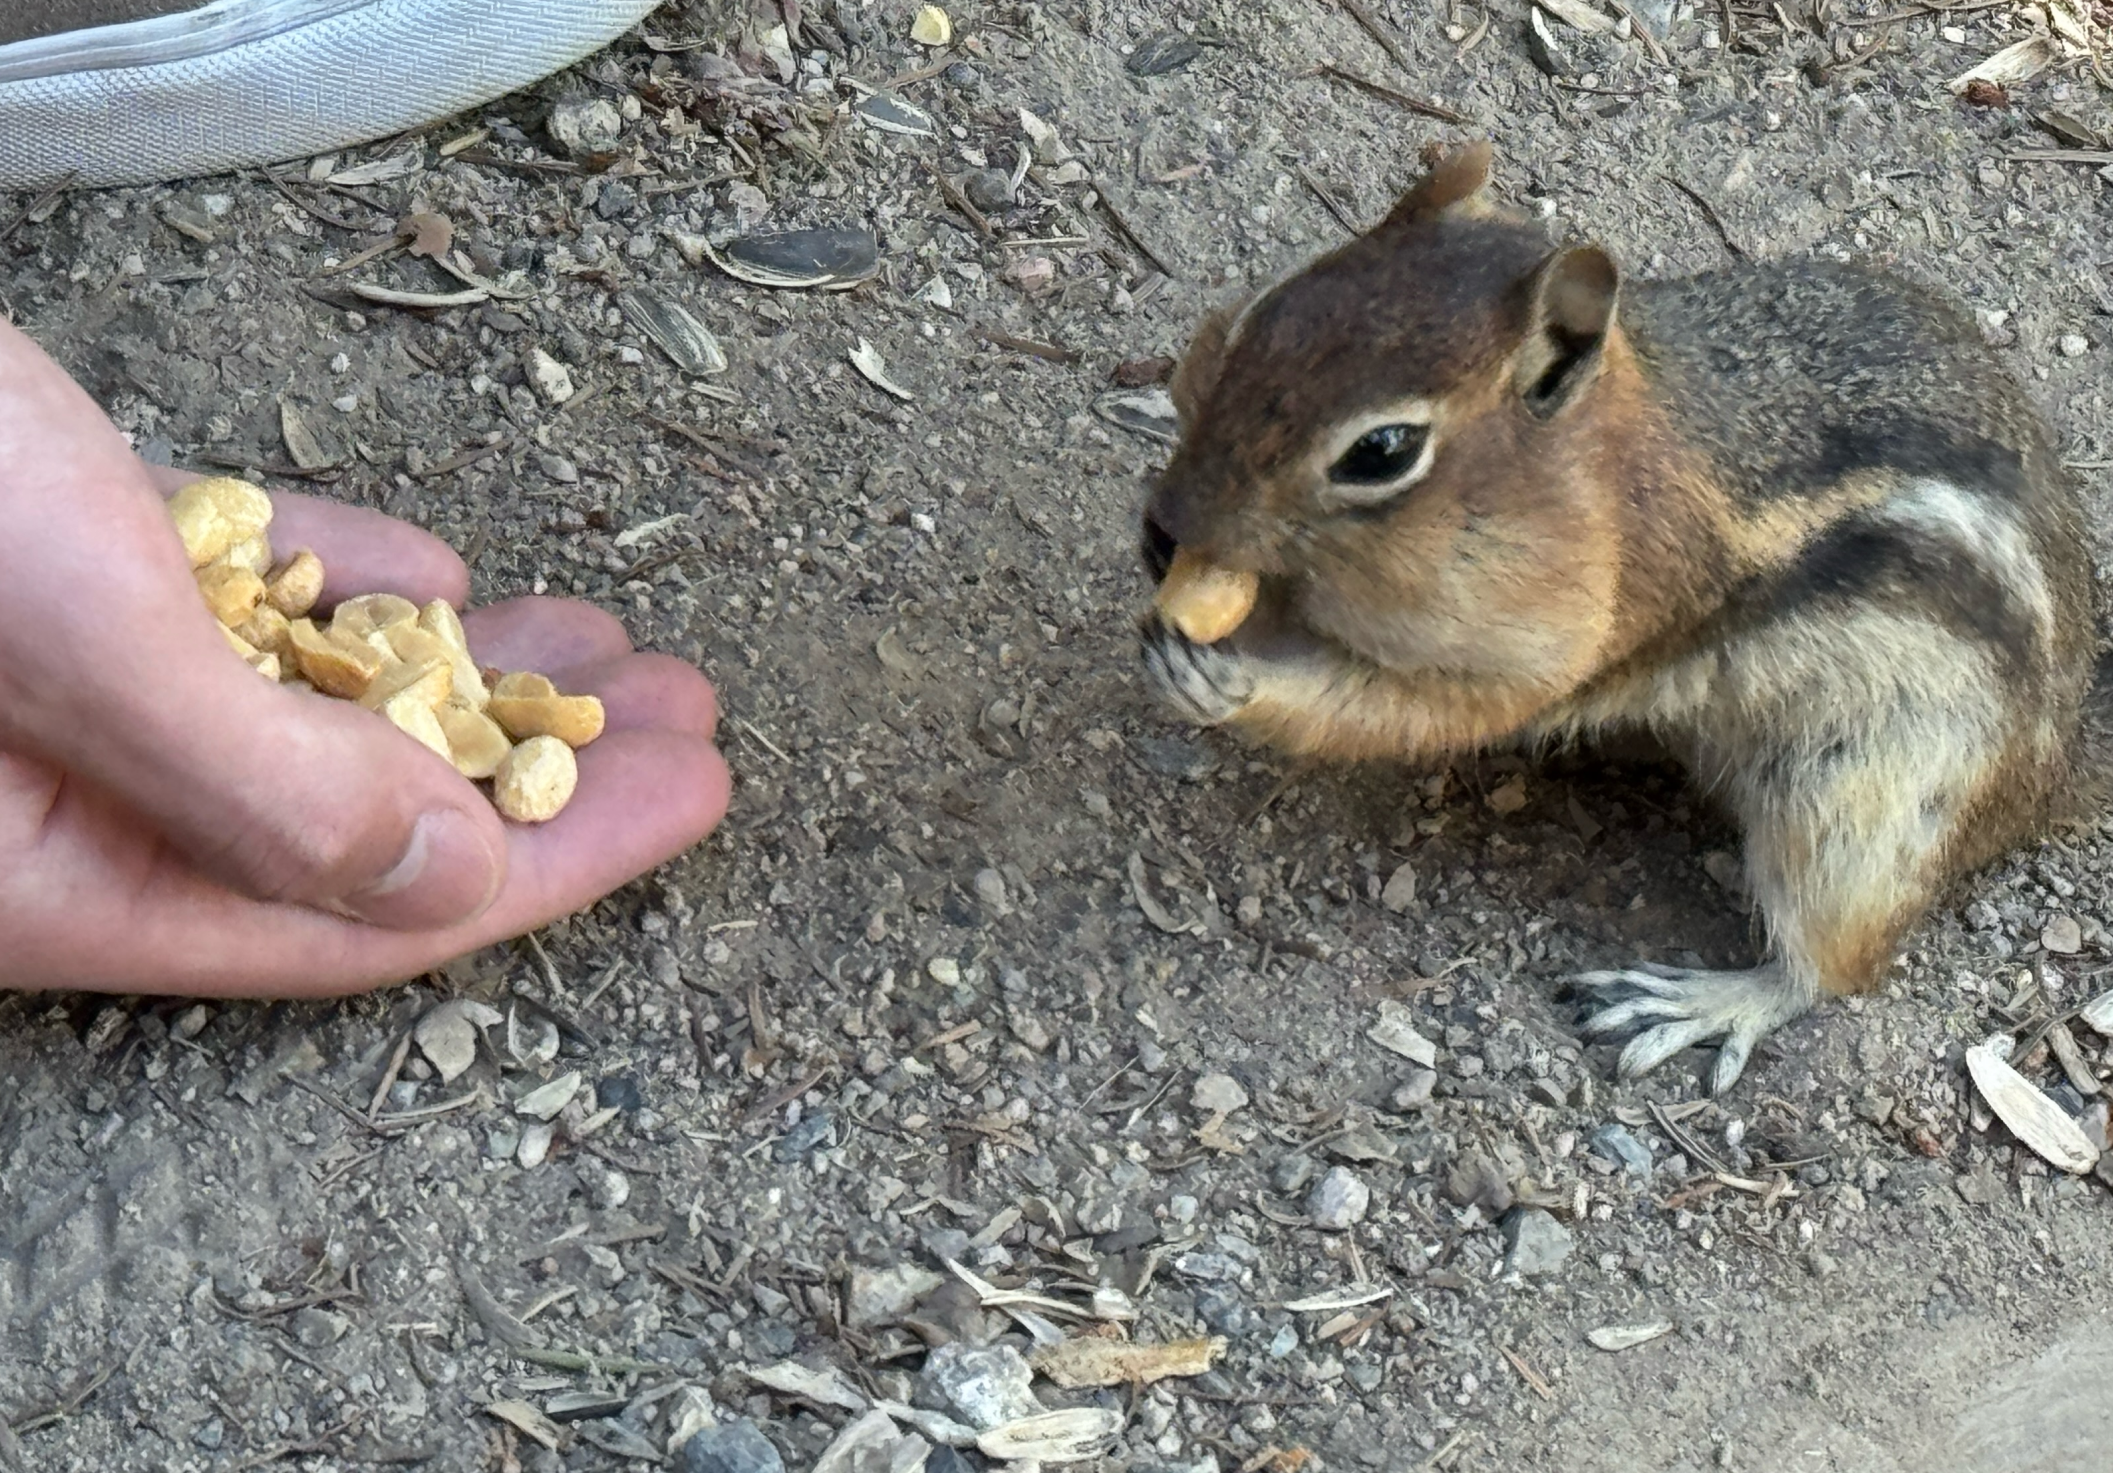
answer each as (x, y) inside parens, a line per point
(409, 664)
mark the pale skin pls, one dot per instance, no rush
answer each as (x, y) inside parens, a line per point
(172, 824)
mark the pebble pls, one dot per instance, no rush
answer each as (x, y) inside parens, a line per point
(804, 1137)
(946, 1243)
(989, 190)
(1219, 1093)
(1339, 1200)
(553, 380)
(1415, 1091)
(947, 1460)
(1284, 1342)
(1396, 1032)
(731, 1447)
(984, 1387)
(944, 970)
(1617, 1145)
(883, 1295)
(1399, 892)
(990, 891)
(1293, 1171)
(1537, 1243)
(587, 126)
(1220, 1308)
(2063, 936)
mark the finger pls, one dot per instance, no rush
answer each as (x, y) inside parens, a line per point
(143, 924)
(365, 551)
(648, 691)
(543, 634)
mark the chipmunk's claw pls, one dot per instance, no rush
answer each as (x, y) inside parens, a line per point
(1208, 683)
(1677, 1007)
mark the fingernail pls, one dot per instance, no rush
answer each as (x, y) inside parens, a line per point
(448, 873)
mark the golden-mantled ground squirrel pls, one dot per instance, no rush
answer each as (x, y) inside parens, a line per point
(1448, 487)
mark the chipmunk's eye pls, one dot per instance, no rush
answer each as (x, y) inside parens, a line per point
(1381, 456)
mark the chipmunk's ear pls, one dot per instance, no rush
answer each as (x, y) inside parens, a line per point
(1198, 371)
(1571, 309)
(1454, 185)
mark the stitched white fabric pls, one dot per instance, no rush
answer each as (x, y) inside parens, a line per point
(346, 76)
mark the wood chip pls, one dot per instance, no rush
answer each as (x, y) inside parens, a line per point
(1395, 1033)
(1332, 1300)
(1096, 1361)
(1074, 1436)
(2031, 1116)
(528, 1421)
(1628, 1337)
(867, 360)
(826, 1387)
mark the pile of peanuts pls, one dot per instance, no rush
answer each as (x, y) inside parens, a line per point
(410, 664)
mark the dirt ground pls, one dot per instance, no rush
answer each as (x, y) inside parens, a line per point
(906, 1005)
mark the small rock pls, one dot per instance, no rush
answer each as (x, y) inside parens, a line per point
(1155, 56)
(945, 1243)
(559, 469)
(932, 27)
(944, 970)
(1395, 1032)
(2063, 935)
(586, 126)
(545, 1101)
(1656, 15)
(1400, 891)
(989, 190)
(1507, 798)
(880, 1296)
(1480, 1181)
(2073, 345)
(804, 1137)
(1623, 1149)
(731, 1447)
(1292, 1172)
(318, 1329)
(534, 1149)
(1543, 47)
(1415, 1091)
(210, 1434)
(553, 380)
(1219, 1093)
(691, 1412)
(985, 1387)
(1537, 1243)
(990, 892)
(1339, 1200)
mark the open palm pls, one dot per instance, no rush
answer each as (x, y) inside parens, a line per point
(171, 823)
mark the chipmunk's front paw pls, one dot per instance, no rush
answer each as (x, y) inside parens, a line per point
(1208, 683)
(1669, 1008)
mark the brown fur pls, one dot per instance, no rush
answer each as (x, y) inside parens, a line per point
(1845, 619)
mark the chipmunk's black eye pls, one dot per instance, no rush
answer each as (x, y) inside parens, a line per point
(1381, 456)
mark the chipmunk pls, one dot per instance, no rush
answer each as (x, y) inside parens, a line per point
(1450, 486)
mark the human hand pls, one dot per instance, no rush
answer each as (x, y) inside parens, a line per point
(171, 823)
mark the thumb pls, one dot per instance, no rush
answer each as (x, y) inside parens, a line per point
(281, 794)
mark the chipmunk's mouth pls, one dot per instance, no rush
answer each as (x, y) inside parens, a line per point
(1159, 547)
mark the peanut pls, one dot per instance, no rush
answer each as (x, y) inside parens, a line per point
(410, 665)
(1204, 602)
(475, 741)
(413, 715)
(268, 629)
(373, 613)
(428, 684)
(213, 515)
(536, 780)
(530, 706)
(294, 588)
(231, 593)
(334, 664)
